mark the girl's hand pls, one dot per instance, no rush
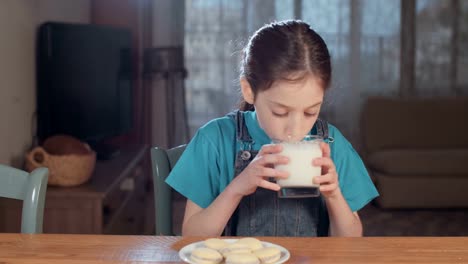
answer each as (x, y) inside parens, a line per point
(261, 168)
(328, 181)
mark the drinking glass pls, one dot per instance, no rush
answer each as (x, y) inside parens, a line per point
(301, 153)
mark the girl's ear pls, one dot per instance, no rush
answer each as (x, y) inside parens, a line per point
(246, 90)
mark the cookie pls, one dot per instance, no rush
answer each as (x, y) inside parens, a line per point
(215, 243)
(235, 248)
(206, 256)
(242, 258)
(252, 242)
(268, 254)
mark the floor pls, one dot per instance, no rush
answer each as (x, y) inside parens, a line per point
(386, 222)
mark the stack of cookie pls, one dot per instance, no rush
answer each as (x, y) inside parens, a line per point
(246, 250)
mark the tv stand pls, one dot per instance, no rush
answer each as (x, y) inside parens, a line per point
(116, 200)
(105, 151)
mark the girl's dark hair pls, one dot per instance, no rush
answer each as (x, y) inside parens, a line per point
(280, 49)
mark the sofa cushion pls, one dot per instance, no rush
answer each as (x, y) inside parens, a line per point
(432, 123)
(416, 162)
(424, 192)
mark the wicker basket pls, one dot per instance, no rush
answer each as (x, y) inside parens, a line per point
(70, 161)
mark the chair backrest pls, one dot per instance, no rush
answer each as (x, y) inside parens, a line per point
(31, 189)
(162, 163)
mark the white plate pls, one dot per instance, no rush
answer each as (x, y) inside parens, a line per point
(185, 252)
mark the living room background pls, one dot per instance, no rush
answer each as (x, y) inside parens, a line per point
(364, 38)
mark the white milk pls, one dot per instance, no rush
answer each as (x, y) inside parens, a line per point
(300, 167)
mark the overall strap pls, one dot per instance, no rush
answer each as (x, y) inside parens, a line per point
(323, 221)
(242, 134)
(322, 130)
(244, 156)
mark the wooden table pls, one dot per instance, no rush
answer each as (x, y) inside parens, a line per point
(47, 248)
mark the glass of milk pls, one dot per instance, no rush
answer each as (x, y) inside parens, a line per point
(300, 183)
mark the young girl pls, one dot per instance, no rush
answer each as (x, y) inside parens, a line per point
(226, 169)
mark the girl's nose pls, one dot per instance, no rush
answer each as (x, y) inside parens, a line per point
(293, 130)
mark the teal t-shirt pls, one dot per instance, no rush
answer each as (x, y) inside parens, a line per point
(207, 165)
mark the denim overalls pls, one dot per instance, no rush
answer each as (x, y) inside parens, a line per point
(263, 213)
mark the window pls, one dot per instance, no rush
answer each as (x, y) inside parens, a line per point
(363, 38)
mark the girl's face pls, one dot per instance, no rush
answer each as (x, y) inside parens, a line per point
(288, 109)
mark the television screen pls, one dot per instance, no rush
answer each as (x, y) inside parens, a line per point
(84, 81)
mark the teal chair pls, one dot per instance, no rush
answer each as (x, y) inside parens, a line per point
(31, 189)
(162, 163)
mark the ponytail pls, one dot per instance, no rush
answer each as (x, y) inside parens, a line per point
(244, 106)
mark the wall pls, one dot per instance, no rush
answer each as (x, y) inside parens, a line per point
(132, 15)
(168, 18)
(18, 23)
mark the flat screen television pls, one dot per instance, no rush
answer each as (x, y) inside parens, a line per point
(84, 87)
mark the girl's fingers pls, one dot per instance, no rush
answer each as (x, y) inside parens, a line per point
(270, 149)
(273, 159)
(270, 172)
(328, 187)
(325, 149)
(324, 162)
(269, 185)
(325, 179)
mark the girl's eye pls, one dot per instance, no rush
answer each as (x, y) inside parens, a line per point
(310, 114)
(280, 114)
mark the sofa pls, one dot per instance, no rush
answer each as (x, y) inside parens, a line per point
(416, 151)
